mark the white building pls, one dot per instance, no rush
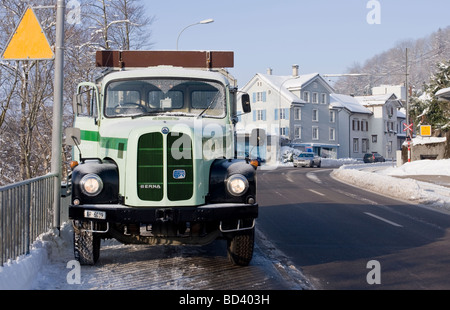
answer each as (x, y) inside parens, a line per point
(384, 123)
(294, 108)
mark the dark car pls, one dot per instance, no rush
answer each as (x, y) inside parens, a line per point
(373, 158)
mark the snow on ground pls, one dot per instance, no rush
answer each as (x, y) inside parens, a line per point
(382, 178)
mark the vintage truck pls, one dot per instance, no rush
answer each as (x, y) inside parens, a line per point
(154, 149)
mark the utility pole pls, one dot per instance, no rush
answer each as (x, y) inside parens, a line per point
(408, 130)
(57, 111)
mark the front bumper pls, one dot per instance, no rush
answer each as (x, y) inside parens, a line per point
(116, 213)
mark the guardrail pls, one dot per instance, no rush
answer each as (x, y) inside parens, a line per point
(26, 211)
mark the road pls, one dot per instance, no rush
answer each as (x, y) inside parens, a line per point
(313, 232)
(345, 238)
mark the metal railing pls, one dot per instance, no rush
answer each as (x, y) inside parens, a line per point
(25, 213)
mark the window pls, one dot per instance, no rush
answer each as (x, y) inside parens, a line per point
(323, 99)
(297, 132)
(315, 115)
(332, 134)
(374, 139)
(260, 97)
(365, 145)
(306, 96)
(261, 115)
(355, 125)
(315, 133)
(282, 114)
(355, 145)
(315, 98)
(284, 131)
(332, 116)
(298, 114)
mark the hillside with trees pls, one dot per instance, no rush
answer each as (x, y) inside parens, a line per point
(428, 72)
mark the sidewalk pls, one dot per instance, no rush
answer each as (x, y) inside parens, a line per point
(442, 180)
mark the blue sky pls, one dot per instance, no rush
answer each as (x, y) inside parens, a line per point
(324, 36)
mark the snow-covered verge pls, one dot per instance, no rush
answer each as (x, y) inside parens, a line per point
(385, 180)
(19, 274)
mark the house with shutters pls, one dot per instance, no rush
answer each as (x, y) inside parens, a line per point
(294, 110)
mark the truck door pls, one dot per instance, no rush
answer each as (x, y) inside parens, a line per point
(86, 107)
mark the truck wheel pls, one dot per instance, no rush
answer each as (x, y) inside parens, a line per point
(86, 245)
(240, 247)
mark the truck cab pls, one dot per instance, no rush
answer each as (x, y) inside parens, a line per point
(154, 156)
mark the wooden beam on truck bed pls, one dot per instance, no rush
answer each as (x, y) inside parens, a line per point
(186, 59)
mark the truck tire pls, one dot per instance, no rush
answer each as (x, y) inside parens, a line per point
(240, 247)
(86, 245)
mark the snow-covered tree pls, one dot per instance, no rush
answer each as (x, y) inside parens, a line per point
(426, 108)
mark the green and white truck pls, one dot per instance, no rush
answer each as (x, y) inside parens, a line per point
(155, 147)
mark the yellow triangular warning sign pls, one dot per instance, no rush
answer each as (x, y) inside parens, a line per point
(28, 41)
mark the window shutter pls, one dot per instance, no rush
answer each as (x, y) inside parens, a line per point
(276, 114)
(264, 96)
(264, 115)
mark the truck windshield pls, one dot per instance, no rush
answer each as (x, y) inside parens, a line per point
(165, 97)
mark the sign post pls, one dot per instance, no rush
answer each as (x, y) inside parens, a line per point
(409, 130)
(28, 42)
(57, 111)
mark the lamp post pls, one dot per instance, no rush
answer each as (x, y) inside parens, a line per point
(206, 21)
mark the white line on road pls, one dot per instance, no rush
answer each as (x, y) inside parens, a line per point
(315, 192)
(383, 219)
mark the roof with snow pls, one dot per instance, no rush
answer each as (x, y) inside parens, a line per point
(444, 93)
(379, 100)
(285, 84)
(349, 103)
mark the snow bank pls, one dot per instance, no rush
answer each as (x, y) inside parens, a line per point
(19, 274)
(383, 181)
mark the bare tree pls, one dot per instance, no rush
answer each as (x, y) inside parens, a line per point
(26, 87)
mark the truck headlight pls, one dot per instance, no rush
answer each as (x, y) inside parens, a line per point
(237, 185)
(91, 185)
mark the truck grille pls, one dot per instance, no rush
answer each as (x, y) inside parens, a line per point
(154, 157)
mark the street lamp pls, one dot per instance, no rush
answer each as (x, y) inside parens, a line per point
(206, 21)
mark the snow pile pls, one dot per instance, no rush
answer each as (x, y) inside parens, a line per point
(383, 181)
(20, 273)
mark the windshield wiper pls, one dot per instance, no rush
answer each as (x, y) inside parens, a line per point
(210, 105)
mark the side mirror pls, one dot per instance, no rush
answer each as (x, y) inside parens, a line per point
(77, 104)
(246, 108)
(258, 137)
(73, 136)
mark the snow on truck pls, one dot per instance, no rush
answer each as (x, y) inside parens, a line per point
(155, 143)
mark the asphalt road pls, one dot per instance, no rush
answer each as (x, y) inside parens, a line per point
(345, 238)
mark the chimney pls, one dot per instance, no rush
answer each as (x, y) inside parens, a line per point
(269, 71)
(295, 70)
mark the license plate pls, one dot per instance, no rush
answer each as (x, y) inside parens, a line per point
(99, 215)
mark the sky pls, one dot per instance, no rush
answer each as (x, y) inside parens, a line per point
(323, 36)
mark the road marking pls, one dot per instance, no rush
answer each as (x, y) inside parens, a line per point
(315, 192)
(383, 219)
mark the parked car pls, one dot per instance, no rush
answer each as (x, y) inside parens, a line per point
(373, 158)
(307, 159)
